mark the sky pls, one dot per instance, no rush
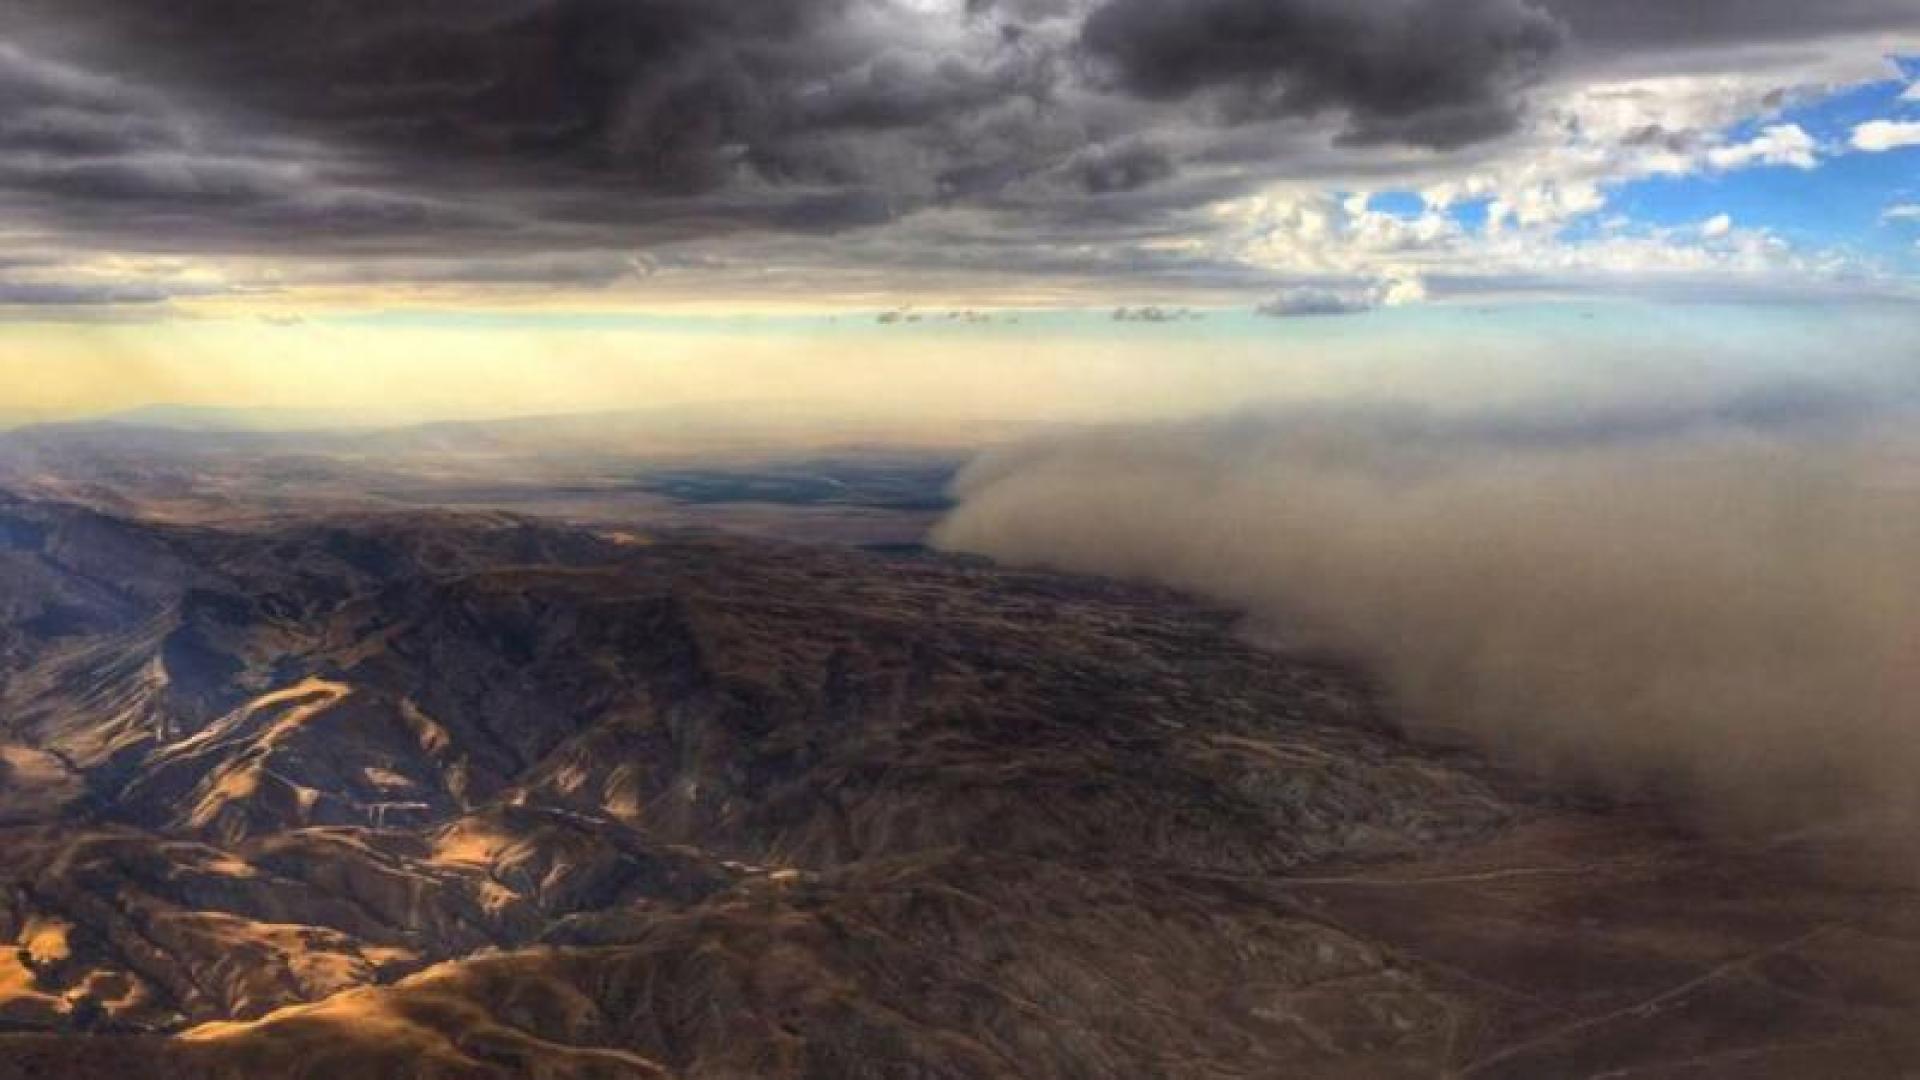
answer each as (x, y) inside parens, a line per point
(1061, 208)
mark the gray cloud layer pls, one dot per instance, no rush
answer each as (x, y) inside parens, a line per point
(1432, 74)
(417, 128)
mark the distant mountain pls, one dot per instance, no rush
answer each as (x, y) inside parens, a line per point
(665, 433)
(472, 796)
(192, 464)
(211, 418)
(13, 418)
(748, 422)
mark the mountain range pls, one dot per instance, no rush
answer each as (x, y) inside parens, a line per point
(480, 795)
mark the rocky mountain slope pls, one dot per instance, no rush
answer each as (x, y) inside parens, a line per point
(469, 796)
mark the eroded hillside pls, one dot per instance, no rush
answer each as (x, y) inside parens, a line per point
(468, 796)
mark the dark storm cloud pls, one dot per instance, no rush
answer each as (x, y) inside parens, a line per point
(1126, 168)
(48, 109)
(489, 132)
(407, 126)
(1437, 73)
(53, 115)
(581, 270)
(664, 96)
(79, 294)
(91, 156)
(641, 99)
(659, 85)
(1632, 26)
(895, 91)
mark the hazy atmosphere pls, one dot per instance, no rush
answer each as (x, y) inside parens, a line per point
(1716, 602)
(959, 539)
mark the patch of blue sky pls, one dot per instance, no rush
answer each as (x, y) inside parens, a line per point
(1838, 205)
(1841, 203)
(1471, 214)
(1831, 118)
(1404, 204)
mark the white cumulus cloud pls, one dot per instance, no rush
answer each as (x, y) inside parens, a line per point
(1778, 144)
(1877, 136)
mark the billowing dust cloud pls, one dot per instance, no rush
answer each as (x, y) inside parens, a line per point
(1720, 605)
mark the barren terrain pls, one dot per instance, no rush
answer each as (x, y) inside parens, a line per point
(470, 795)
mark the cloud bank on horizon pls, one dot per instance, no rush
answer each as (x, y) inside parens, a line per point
(1308, 156)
